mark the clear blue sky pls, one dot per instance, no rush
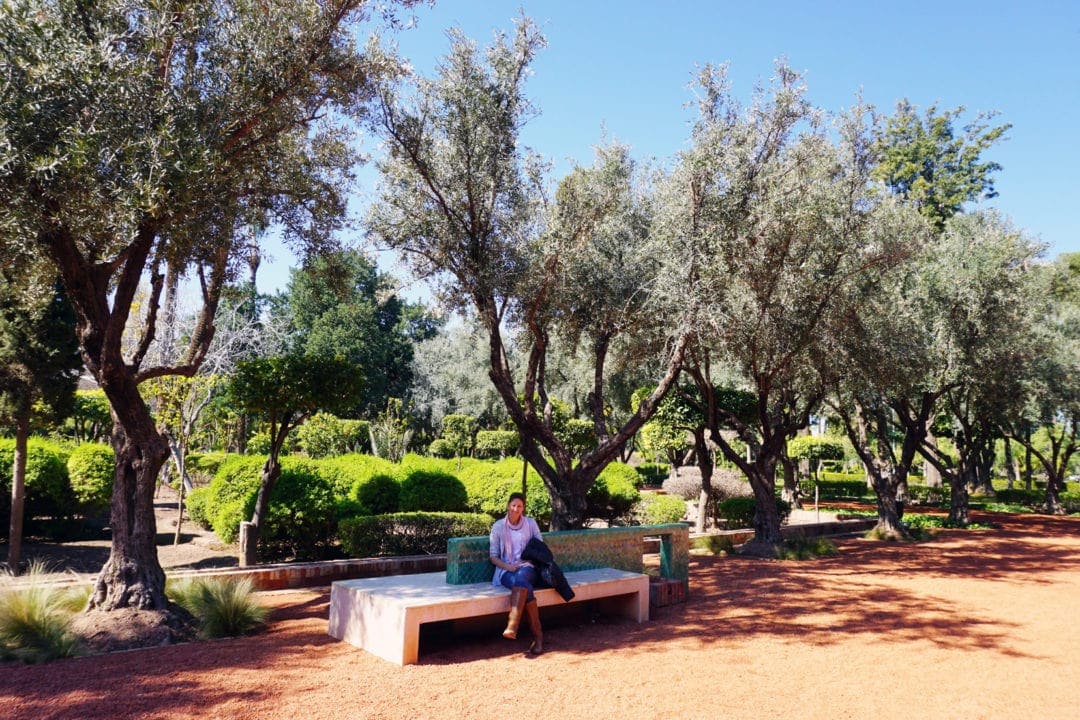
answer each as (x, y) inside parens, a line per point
(624, 68)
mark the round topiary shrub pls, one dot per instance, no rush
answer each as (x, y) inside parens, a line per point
(196, 503)
(91, 468)
(380, 495)
(440, 448)
(349, 472)
(433, 491)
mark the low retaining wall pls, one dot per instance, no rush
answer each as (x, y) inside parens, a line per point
(312, 574)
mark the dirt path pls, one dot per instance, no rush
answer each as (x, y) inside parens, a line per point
(197, 549)
(977, 624)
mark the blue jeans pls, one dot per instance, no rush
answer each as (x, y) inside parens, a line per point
(525, 576)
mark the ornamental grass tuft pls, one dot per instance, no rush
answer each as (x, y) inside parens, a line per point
(223, 607)
(35, 617)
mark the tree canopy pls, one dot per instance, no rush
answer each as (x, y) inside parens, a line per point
(932, 164)
(141, 140)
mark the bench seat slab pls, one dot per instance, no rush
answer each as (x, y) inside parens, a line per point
(383, 615)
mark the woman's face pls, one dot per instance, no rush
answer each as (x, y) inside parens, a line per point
(514, 509)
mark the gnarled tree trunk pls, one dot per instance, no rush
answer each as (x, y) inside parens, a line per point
(132, 576)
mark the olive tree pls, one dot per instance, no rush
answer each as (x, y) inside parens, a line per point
(465, 204)
(1044, 415)
(776, 213)
(980, 298)
(137, 137)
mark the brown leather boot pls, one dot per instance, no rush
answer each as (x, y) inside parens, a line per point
(517, 601)
(532, 614)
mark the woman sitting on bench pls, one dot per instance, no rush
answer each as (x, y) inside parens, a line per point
(509, 536)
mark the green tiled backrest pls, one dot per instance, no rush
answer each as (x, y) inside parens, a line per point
(620, 548)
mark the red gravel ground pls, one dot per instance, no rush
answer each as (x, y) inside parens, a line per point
(974, 624)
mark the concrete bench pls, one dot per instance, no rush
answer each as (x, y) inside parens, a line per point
(383, 615)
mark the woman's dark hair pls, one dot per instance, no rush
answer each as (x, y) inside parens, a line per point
(515, 496)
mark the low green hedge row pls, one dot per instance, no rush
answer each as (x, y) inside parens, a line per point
(417, 533)
(739, 511)
(312, 496)
(836, 485)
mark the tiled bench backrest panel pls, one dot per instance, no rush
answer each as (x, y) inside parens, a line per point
(620, 548)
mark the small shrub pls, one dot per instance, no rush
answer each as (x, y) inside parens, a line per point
(223, 607)
(440, 448)
(1070, 501)
(725, 484)
(196, 502)
(407, 533)
(657, 509)
(35, 619)
(927, 495)
(326, 435)
(457, 432)
(433, 491)
(614, 493)
(91, 469)
(201, 467)
(739, 511)
(579, 436)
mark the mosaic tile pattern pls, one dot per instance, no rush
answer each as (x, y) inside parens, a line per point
(620, 548)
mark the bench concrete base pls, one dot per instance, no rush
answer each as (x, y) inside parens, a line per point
(383, 615)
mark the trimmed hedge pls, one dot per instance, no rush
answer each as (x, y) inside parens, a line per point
(739, 511)
(407, 533)
(489, 485)
(496, 443)
(48, 489)
(349, 473)
(614, 493)
(433, 491)
(837, 485)
(91, 469)
(301, 518)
